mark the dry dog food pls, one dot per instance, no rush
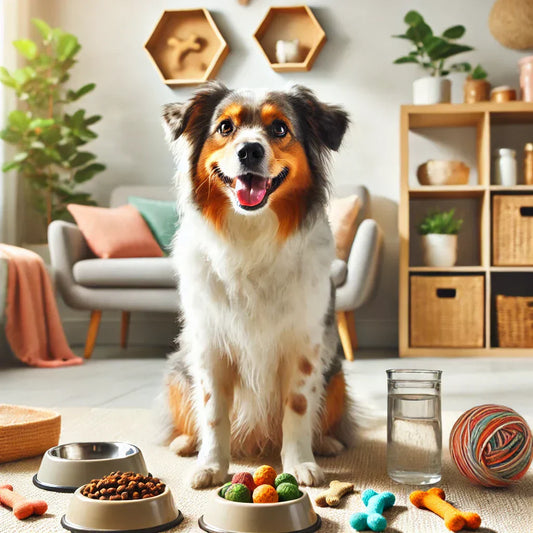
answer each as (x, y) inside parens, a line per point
(123, 486)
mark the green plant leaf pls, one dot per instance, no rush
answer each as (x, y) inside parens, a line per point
(461, 67)
(10, 136)
(7, 79)
(41, 123)
(81, 158)
(21, 156)
(44, 29)
(10, 166)
(405, 59)
(85, 89)
(454, 32)
(92, 120)
(26, 47)
(67, 46)
(479, 73)
(88, 172)
(51, 136)
(413, 18)
(18, 120)
(37, 145)
(401, 36)
(451, 49)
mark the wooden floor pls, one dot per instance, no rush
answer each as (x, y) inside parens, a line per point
(132, 378)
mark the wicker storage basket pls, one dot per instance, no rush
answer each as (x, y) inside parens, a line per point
(447, 311)
(27, 432)
(512, 230)
(515, 321)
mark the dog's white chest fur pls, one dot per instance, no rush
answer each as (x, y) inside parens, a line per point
(262, 302)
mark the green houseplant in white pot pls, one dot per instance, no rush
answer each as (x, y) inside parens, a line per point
(439, 231)
(431, 52)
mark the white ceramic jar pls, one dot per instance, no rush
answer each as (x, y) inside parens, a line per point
(440, 250)
(432, 90)
(505, 167)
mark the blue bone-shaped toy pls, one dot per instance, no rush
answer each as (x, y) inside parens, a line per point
(375, 503)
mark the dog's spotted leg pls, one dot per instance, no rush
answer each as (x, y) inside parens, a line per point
(299, 416)
(214, 404)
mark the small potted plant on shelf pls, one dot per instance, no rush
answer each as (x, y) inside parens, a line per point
(439, 231)
(476, 87)
(431, 52)
(50, 138)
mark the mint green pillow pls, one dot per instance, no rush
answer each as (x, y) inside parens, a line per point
(161, 217)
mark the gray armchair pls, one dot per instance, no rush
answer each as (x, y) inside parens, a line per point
(148, 284)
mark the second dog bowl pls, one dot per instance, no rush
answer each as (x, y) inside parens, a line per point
(66, 467)
(150, 515)
(296, 516)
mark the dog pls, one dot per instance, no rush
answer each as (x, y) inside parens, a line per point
(256, 369)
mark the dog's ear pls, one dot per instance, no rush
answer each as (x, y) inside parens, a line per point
(327, 123)
(178, 116)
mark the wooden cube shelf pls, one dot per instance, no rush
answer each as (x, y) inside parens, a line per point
(515, 278)
(287, 24)
(186, 47)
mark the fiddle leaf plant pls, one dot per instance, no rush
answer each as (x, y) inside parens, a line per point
(50, 141)
(431, 51)
(441, 222)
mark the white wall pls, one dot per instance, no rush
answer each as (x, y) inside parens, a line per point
(354, 69)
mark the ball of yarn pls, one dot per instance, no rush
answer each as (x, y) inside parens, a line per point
(491, 445)
(244, 478)
(265, 494)
(288, 492)
(238, 493)
(285, 478)
(265, 475)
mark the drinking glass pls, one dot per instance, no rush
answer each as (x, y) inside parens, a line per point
(414, 427)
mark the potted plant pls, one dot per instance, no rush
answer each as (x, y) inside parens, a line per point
(50, 141)
(476, 87)
(431, 52)
(439, 231)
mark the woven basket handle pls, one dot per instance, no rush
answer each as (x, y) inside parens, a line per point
(526, 211)
(446, 293)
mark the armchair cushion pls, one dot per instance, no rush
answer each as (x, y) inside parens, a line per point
(140, 272)
(342, 214)
(115, 232)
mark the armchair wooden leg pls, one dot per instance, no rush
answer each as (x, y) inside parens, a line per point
(124, 328)
(347, 333)
(92, 333)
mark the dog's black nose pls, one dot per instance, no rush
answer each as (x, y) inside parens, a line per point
(250, 154)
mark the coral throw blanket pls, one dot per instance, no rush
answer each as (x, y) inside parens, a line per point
(33, 326)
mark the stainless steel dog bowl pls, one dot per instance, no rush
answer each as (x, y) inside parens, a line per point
(150, 515)
(66, 467)
(295, 516)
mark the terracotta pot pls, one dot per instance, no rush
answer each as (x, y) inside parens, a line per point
(476, 91)
(526, 78)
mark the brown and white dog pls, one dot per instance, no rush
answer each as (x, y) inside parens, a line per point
(256, 368)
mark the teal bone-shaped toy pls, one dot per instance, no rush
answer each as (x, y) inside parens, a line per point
(375, 503)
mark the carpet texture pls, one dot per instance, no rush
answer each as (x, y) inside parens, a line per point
(507, 510)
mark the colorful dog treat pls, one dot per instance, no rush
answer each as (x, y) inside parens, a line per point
(285, 478)
(265, 475)
(238, 493)
(123, 486)
(22, 508)
(288, 491)
(454, 520)
(222, 491)
(246, 479)
(373, 519)
(491, 445)
(265, 494)
(332, 496)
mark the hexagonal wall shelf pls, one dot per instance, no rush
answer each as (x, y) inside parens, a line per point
(186, 47)
(287, 24)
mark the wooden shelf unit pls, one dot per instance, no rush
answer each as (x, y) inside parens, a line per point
(483, 117)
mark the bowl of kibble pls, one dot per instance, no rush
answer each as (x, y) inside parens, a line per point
(260, 502)
(66, 467)
(122, 501)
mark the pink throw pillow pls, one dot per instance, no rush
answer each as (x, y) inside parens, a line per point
(115, 232)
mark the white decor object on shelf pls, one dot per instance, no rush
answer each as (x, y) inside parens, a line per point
(505, 167)
(440, 250)
(432, 90)
(288, 51)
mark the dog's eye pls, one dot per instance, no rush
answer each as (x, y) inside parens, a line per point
(279, 128)
(225, 127)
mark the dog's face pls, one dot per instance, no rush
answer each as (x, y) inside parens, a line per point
(253, 151)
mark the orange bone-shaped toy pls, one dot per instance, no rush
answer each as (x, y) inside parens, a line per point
(22, 508)
(454, 519)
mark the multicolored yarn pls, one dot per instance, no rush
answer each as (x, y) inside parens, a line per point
(491, 445)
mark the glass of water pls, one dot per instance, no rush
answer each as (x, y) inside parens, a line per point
(414, 428)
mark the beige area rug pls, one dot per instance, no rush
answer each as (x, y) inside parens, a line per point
(502, 511)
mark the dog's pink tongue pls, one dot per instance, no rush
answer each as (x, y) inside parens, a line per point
(251, 191)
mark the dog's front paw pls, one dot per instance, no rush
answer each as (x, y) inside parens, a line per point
(309, 474)
(208, 476)
(328, 447)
